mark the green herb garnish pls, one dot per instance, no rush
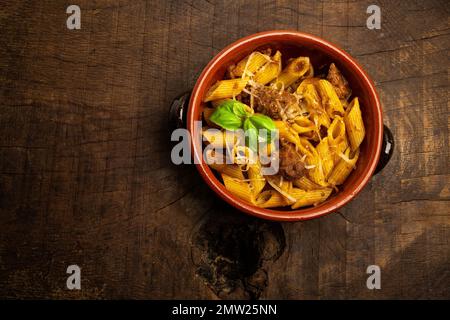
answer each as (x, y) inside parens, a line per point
(233, 115)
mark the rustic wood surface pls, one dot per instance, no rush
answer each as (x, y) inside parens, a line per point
(86, 177)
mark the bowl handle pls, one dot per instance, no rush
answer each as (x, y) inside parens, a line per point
(178, 111)
(387, 149)
(178, 114)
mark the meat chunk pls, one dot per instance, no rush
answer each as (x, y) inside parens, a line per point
(291, 165)
(279, 105)
(339, 83)
(244, 98)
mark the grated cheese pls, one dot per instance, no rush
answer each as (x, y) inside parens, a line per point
(284, 194)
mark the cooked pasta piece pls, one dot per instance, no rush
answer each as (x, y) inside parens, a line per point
(283, 187)
(294, 70)
(309, 93)
(336, 131)
(301, 87)
(243, 155)
(316, 172)
(313, 103)
(257, 181)
(265, 150)
(231, 170)
(322, 120)
(303, 125)
(306, 184)
(225, 89)
(219, 138)
(269, 71)
(344, 167)
(330, 100)
(250, 64)
(326, 155)
(337, 139)
(270, 199)
(287, 133)
(339, 149)
(240, 189)
(306, 148)
(354, 124)
(308, 198)
(309, 73)
(313, 162)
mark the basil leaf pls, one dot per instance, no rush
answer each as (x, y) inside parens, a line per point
(251, 135)
(226, 119)
(262, 122)
(236, 107)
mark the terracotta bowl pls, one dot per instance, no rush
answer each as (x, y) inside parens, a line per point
(321, 52)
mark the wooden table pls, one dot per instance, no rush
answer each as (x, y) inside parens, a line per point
(85, 167)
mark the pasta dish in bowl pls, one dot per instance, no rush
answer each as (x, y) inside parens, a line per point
(291, 126)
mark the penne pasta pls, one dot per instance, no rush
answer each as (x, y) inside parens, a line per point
(305, 82)
(307, 90)
(339, 149)
(337, 140)
(322, 120)
(224, 89)
(354, 124)
(309, 93)
(293, 71)
(257, 181)
(330, 100)
(243, 155)
(306, 148)
(336, 132)
(266, 149)
(306, 184)
(287, 133)
(344, 167)
(303, 125)
(220, 139)
(325, 154)
(309, 73)
(285, 186)
(240, 189)
(316, 172)
(308, 198)
(269, 71)
(270, 199)
(250, 64)
(231, 170)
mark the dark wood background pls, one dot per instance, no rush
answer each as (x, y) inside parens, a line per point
(86, 178)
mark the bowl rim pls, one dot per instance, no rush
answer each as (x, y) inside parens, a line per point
(271, 214)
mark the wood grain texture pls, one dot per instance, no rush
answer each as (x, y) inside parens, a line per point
(86, 178)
